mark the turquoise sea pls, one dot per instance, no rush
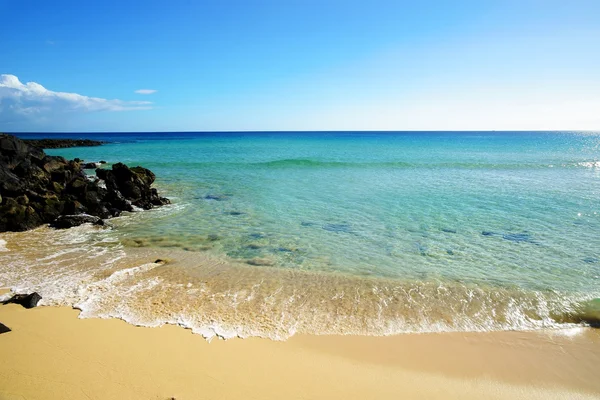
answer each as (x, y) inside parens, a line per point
(272, 233)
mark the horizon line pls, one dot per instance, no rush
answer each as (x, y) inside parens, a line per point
(307, 131)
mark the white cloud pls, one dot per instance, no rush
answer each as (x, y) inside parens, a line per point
(145, 91)
(31, 102)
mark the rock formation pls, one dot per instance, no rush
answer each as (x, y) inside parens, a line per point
(62, 143)
(36, 189)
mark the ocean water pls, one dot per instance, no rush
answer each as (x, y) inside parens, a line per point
(273, 233)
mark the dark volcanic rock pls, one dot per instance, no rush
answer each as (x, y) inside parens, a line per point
(15, 216)
(69, 221)
(132, 186)
(4, 328)
(36, 189)
(62, 143)
(26, 300)
(91, 165)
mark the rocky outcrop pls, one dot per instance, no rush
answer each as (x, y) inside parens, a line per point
(36, 189)
(62, 143)
(133, 185)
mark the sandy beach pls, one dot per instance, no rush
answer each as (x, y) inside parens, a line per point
(51, 354)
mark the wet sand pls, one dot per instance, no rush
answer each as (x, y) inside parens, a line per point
(50, 354)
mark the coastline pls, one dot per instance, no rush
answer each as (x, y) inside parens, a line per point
(58, 143)
(51, 354)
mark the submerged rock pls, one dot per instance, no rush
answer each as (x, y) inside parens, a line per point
(284, 250)
(448, 230)
(422, 249)
(258, 261)
(518, 237)
(338, 228)
(513, 237)
(216, 197)
(234, 213)
(26, 300)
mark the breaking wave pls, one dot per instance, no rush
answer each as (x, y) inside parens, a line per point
(85, 267)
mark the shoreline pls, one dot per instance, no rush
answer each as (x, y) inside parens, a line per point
(51, 354)
(220, 297)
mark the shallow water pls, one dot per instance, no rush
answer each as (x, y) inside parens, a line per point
(366, 233)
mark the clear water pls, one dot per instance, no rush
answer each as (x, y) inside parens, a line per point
(510, 214)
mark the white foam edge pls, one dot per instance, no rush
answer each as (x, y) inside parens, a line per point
(569, 332)
(6, 296)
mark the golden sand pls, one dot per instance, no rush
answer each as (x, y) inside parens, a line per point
(50, 354)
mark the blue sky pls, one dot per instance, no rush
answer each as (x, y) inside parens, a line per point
(299, 65)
